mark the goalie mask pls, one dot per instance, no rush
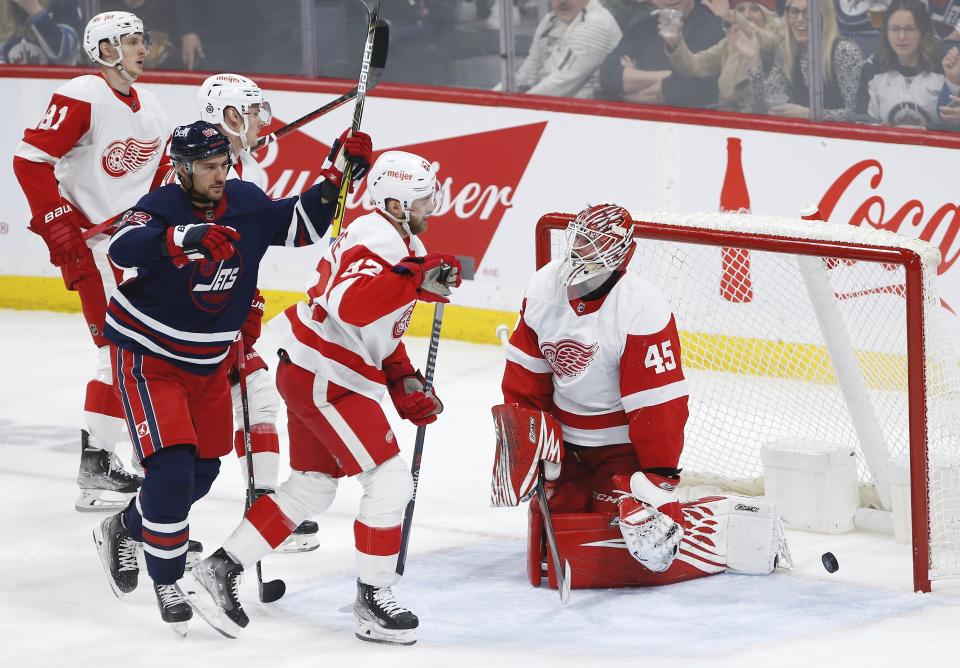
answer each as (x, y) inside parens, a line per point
(407, 178)
(598, 242)
(112, 27)
(232, 90)
(525, 437)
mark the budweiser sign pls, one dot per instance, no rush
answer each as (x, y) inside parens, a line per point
(478, 174)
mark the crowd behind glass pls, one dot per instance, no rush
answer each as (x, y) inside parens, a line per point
(889, 62)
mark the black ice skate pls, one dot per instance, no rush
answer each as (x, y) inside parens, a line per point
(174, 608)
(303, 539)
(118, 554)
(213, 593)
(381, 619)
(104, 484)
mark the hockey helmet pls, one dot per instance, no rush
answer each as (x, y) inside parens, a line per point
(113, 27)
(198, 141)
(406, 178)
(232, 90)
(598, 241)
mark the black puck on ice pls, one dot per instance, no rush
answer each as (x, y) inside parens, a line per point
(830, 562)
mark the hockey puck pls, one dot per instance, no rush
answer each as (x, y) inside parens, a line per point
(830, 562)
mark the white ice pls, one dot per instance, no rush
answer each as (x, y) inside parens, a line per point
(465, 575)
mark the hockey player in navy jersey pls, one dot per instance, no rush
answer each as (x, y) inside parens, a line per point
(190, 254)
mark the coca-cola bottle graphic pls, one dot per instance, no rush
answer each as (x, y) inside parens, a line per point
(735, 283)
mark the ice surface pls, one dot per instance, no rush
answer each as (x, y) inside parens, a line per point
(465, 575)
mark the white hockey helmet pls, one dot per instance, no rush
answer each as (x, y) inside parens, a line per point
(598, 242)
(111, 26)
(405, 177)
(232, 90)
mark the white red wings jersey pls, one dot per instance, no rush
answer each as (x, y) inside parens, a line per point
(599, 365)
(358, 310)
(96, 148)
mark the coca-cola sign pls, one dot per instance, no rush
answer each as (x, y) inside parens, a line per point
(940, 226)
(478, 175)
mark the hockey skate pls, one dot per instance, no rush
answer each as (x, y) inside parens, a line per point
(213, 593)
(174, 608)
(118, 554)
(303, 539)
(104, 484)
(381, 619)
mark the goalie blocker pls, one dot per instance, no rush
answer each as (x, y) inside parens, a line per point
(720, 533)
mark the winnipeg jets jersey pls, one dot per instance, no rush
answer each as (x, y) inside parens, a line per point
(190, 315)
(358, 309)
(596, 364)
(94, 147)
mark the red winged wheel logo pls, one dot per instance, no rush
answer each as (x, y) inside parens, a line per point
(568, 357)
(129, 155)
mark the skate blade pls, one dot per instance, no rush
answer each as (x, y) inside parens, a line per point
(94, 501)
(299, 543)
(105, 563)
(370, 632)
(206, 608)
(180, 628)
(347, 608)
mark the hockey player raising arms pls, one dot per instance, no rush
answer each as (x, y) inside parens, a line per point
(341, 353)
(235, 104)
(96, 151)
(191, 253)
(594, 383)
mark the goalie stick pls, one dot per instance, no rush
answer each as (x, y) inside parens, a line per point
(374, 27)
(274, 589)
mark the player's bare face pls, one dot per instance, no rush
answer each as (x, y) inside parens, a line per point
(135, 49)
(209, 179)
(420, 212)
(567, 10)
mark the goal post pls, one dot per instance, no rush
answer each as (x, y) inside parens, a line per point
(843, 340)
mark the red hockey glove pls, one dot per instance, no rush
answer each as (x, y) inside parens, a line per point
(61, 229)
(411, 402)
(201, 241)
(358, 150)
(433, 275)
(250, 329)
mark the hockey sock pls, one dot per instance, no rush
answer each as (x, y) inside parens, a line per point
(265, 447)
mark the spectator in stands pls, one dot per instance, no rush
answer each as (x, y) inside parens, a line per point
(950, 94)
(422, 41)
(639, 70)
(627, 11)
(723, 60)
(901, 82)
(41, 33)
(568, 47)
(784, 89)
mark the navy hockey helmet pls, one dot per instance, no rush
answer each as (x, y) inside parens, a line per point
(198, 141)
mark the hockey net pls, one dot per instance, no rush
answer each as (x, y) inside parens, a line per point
(805, 329)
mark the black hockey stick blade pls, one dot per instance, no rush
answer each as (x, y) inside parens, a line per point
(272, 591)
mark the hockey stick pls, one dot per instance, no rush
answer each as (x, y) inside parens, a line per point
(563, 573)
(421, 435)
(274, 589)
(374, 27)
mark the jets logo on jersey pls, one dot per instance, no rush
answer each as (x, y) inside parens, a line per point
(128, 155)
(400, 326)
(212, 283)
(568, 357)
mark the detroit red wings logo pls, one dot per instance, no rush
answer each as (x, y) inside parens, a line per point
(400, 326)
(128, 155)
(568, 357)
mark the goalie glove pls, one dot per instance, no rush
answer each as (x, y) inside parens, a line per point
(650, 518)
(525, 437)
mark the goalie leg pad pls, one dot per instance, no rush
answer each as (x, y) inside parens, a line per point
(525, 437)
